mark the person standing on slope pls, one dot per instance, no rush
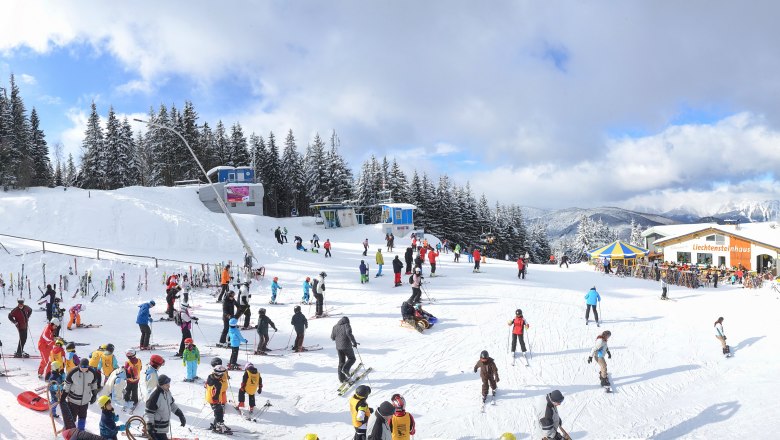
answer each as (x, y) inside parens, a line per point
(363, 272)
(365, 247)
(133, 367)
(251, 384)
(345, 342)
(263, 322)
(401, 423)
(186, 320)
(432, 259)
(398, 265)
(488, 372)
(46, 344)
(721, 336)
(326, 245)
(416, 286)
(519, 324)
(159, 408)
(20, 316)
(300, 323)
(378, 427)
(224, 282)
(477, 259)
(151, 375)
(599, 350)
(409, 257)
(143, 319)
(236, 339)
(360, 410)
(457, 253)
(380, 261)
(306, 289)
(244, 308)
(520, 268)
(228, 313)
(50, 295)
(592, 298)
(319, 293)
(81, 388)
(548, 422)
(275, 287)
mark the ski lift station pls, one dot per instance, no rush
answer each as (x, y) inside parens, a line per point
(397, 218)
(237, 187)
(336, 215)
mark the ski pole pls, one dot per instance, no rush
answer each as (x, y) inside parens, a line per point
(289, 339)
(600, 313)
(201, 332)
(2, 355)
(364, 365)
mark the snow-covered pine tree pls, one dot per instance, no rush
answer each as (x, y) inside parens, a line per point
(161, 141)
(39, 153)
(585, 239)
(19, 161)
(58, 180)
(114, 150)
(539, 249)
(144, 157)
(92, 173)
(397, 184)
(190, 132)
(208, 154)
(340, 183)
(239, 153)
(130, 173)
(221, 145)
(485, 217)
(314, 169)
(6, 139)
(635, 237)
(294, 185)
(273, 171)
(70, 171)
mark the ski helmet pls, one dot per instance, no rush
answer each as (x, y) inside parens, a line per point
(70, 347)
(363, 391)
(55, 322)
(130, 353)
(519, 312)
(152, 303)
(249, 366)
(484, 354)
(56, 365)
(109, 348)
(233, 322)
(297, 309)
(399, 403)
(311, 437)
(507, 436)
(417, 306)
(323, 274)
(188, 341)
(556, 396)
(606, 334)
(163, 379)
(59, 342)
(216, 361)
(261, 311)
(219, 370)
(156, 361)
(417, 270)
(102, 401)
(20, 300)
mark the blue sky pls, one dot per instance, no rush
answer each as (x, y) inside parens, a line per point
(537, 104)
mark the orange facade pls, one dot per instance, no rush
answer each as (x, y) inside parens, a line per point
(739, 251)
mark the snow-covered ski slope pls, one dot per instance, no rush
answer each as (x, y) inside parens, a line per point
(669, 377)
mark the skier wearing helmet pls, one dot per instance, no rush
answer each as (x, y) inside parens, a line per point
(236, 339)
(108, 419)
(402, 423)
(191, 359)
(251, 384)
(416, 282)
(548, 421)
(216, 396)
(519, 324)
(107, 363)
(263, 322)
(358, 407)
(55, 378)
(306, 288)
(275, 287)
(133, 368)
(228, 312)
(319, 292)
(488, 372)
(300, 323)
(151, 374)
(46, 343)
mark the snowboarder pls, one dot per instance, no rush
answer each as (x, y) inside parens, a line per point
(365, 247)
(432, 259)
(263, 322)
(244, 308)
(224, 281)
(159, 407)
(275, 287)
(380, 261)
(398, 265)
(721, 336)
(216, 396)
(306, 288)
(107, 363)
(143, 319)
(664, 289)
(592, 298)
(363, 272)
(564, 260)
(520, 268)
(599, 350)
(133, 368)
(81, 385)
(360, 411)
(488, 372)
(75, 315)
(108, 418)
(228, 313)
(251, 384)
(151, 375)
(416, 286)
(300, 323)
(326, 245)
(299, 243)
(46, 344)
(20, 316)
(191, 359)
(548, 422)
(50, 295)
(378, 427)
(186, 319)
(319, 290)
(519, 324)
(55, 378)
(401, 423)
(236, 339)
(315, 241)
(477, 258)
(345, 342)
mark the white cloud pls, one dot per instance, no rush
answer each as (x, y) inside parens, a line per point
(27, 79)
(445, 149)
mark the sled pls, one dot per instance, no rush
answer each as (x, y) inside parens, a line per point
(29, 399)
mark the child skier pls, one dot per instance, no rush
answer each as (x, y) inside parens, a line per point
(57, 353)
(306, 288)
(191, 360)
(360, 411)
(96, 356)
(75, 315)
(108, 419)
(598, 352)
(548, 422)
(133, 368)
(432, 259)
(262, 329)
(327, 248)
(363, 272)
(398, 265)
(721, 336)
(251, 384)
(488, 372)
(151, 374)
(275, 287)
(519, 324)
(72, 360)
(592, 298)
(55, 378)
(300, 323)
(216, 396)
(402, 423)
(236, 339)
(107, 363)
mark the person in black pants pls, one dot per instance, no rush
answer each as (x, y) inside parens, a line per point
(345, 341)
(300, 323)
(50, 301)
(228, 312)
(319, 287)
(408, 256)
(262, 329)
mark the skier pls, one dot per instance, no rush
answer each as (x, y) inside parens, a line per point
(216, 396)
(57, 353)
(306, 288)
(548, 421)
(228, 313)
(345, 341)
(224, 281)
(564, 260)
(457, 253)
(721, 336)
(46, 344)
(251, 384)
(469, 254)
(378, 427)
(236, 339)
(94, 357)
(20, 316)
(315, 241)
(72, 360)
(319, 289)
(284, 234)
(423, 252)
(664, 289)
(185, 319)
(592, 298)
(360, 411)
(81, 385)
(432, 259)
(108, 419)
(365, 247)
(278, 235)
(159, 407)
(55, 378)
(300, 323)
(401, 423)
(50, 295)
(275, 287)
(519, 324)
(75, 315)
(143, 319)
(326, 245)
(520, 268)
(598, 352)
(263, 322)
(171, 293)
(107, 363)
(244, 308)
(408, 256)
(191, 359)
(151, 375)
(488, 372)
(133, 368)
(363, 272)
(477, 258)
(416, 282)
(397, 267)
(115, 385)
(380, 261)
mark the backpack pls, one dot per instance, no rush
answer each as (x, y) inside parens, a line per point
(177, 318)
(411, 279)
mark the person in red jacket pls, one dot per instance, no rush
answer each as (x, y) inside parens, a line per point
(20, 316)
(477, 259)
(326, 245)
(520, 268)
(519, 324)
(46, 343)
(432, 259)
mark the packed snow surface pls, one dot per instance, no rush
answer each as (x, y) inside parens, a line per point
(669, 376)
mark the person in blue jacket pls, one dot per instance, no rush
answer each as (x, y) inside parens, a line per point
(236, 339)
(306, 288)
(592, 298)
(363, 272)
(143, 320)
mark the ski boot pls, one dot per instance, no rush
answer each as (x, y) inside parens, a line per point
(221, 428)
(494, 393)
(240, 405)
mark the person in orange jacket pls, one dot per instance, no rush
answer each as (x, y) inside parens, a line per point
(477, 259)
(432, 259)
(225, 282)
(46, 344)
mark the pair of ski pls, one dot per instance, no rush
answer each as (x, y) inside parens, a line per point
(157, 346)
(130, 407)
(315, 347)
(492, 401)
(356, 376)
(87, 326)
(251, 415)
(523, 356)
(9, 372)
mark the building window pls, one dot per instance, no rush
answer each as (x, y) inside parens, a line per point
(717, 238)
(233, 205)
(398, 215)
(704, 259)
(250, 203)
(683, 257)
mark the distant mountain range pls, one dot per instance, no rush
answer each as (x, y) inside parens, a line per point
(564, 222)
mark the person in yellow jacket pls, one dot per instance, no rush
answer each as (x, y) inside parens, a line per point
(380, 261)
(225, 282)
(216, 396)
(360, 411)
(401, 423)
(95, 356)
(72, 360)
(108, 361)
(251, 384)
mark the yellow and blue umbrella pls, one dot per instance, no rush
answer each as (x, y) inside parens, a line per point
(618, 250)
